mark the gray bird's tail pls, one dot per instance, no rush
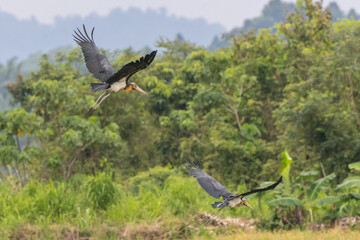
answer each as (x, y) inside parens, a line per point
(99, 86)
(218, 205)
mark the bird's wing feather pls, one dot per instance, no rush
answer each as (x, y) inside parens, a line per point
(131, 68)
(261, 189)
(208, 183)
(96, 61)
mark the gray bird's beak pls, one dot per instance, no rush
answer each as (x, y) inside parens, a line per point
(247, 204)
(137, 88)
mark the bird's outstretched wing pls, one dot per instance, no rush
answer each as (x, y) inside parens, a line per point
(131, 68)
(96, 61)
(261, 189)
(208, 183)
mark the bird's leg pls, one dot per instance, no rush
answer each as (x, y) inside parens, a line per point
(93, 106)
(99, 97)
(215, 215)
(222, 212)
(102, 100)
(91, 110)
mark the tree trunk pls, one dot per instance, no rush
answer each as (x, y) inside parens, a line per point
(68, 166)
(352, 101)
(16, 165)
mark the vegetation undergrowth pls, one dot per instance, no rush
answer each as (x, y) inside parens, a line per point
(160, 196)
(163, 201)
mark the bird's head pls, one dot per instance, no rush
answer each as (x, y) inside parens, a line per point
(244, 202)
(133, 86)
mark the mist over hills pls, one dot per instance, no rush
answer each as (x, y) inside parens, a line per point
(119, 29)
(276, 11)
(133, 27)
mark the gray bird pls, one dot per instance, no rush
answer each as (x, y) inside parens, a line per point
(99, 66)
(216, 190)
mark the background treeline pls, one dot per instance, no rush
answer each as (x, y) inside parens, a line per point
(143, 29)
(294, 87)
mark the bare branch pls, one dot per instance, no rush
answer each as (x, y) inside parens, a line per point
(352, 101)
(69, 166)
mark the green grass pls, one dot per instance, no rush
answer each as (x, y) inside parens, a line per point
(159, 203)
(86, 203)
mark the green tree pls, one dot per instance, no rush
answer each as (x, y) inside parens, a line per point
(58, 96)
(18, 146)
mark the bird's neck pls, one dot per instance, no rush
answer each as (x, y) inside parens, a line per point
(234, 202)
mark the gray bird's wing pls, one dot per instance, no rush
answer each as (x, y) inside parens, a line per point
(96, 61)
(208, 183)
(131, 68)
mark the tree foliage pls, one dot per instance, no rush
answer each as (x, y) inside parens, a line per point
(294, 87)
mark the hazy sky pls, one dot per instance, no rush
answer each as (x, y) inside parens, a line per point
(229, 13)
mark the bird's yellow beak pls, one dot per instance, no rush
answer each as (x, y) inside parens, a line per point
(244, 202)
(137, 88)
(247, 204)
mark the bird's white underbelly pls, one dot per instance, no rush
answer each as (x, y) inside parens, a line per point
(234, 202)
(118, 86)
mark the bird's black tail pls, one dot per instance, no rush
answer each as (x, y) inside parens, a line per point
(218, 205)
(99, 86)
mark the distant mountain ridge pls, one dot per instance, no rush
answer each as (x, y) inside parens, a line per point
(276, 11)
(119, 29)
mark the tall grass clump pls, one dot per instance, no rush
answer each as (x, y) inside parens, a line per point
(142, 198)
(52, 202)
(100, 191)
(37, 203)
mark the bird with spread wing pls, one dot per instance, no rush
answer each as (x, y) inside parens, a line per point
(99, 66)
(216, 190)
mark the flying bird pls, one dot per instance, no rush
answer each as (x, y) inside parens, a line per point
(99, 66)
(216, 190)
